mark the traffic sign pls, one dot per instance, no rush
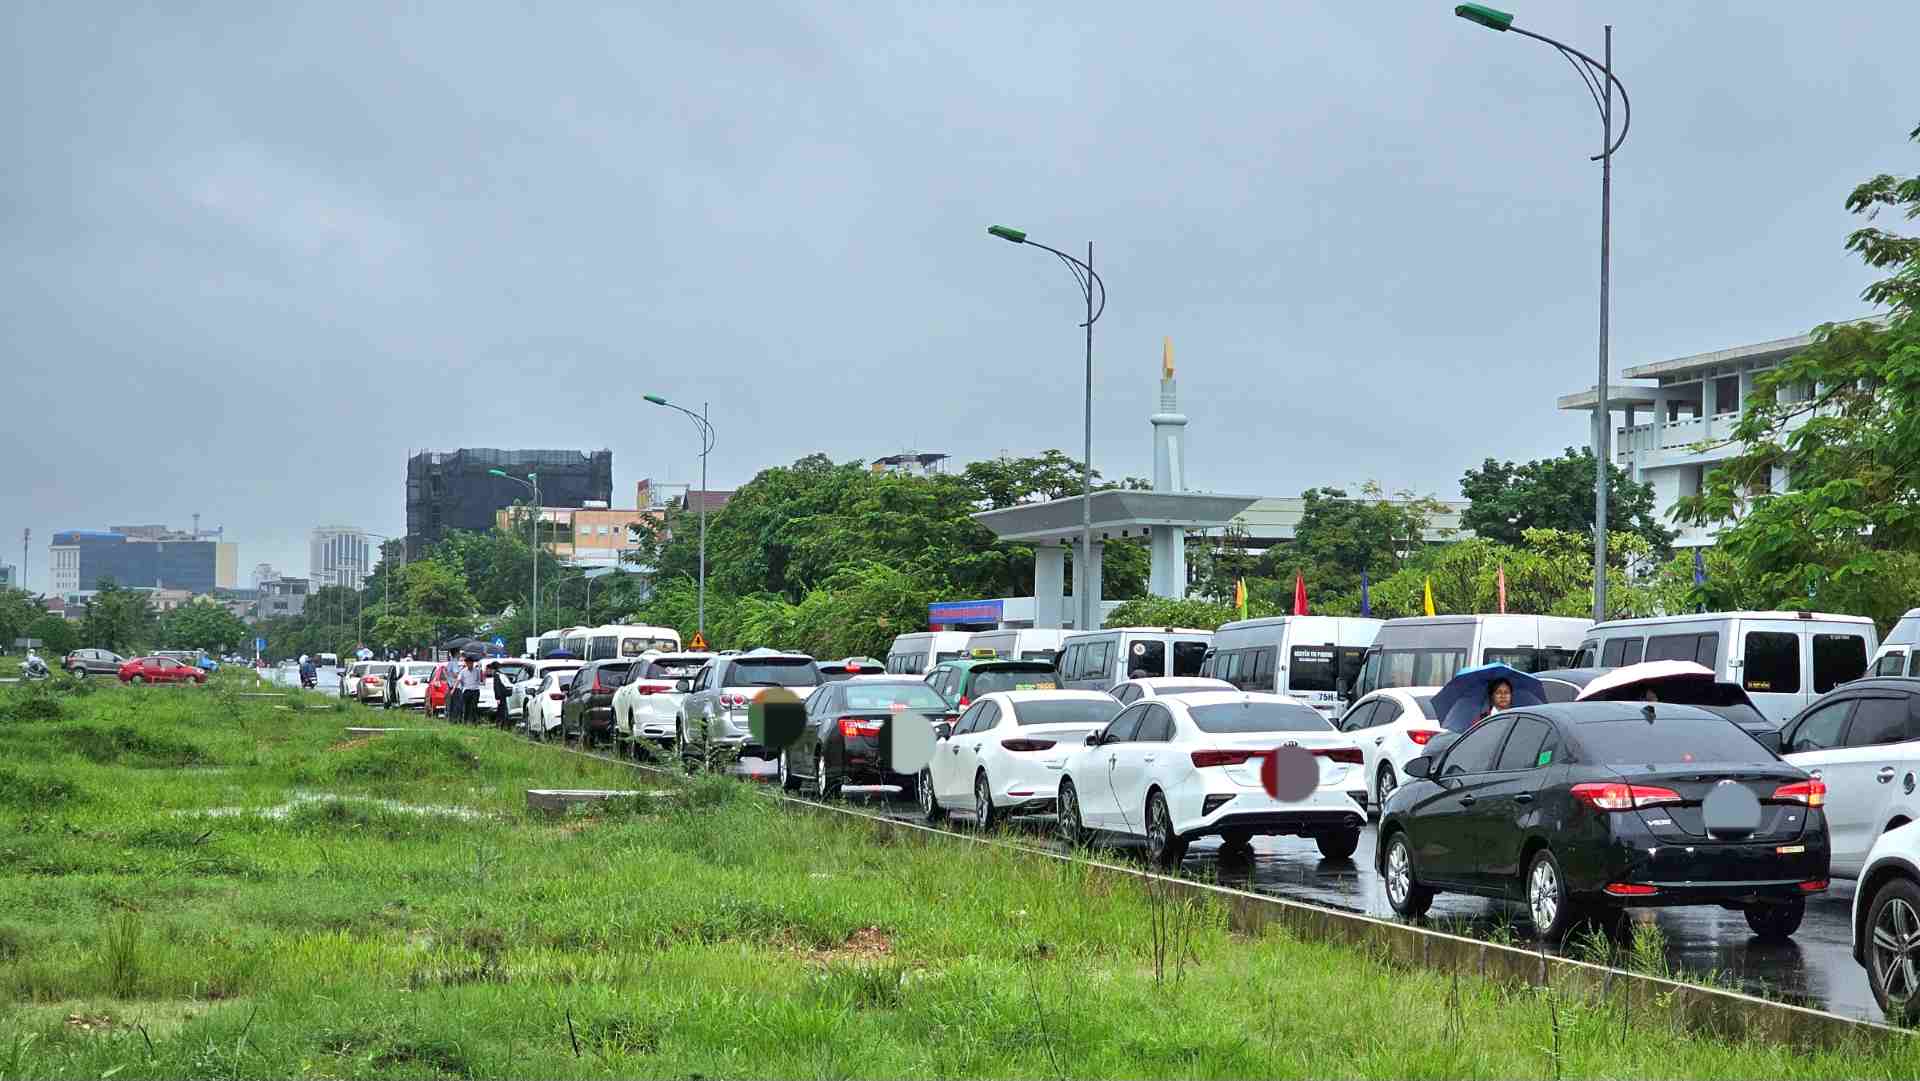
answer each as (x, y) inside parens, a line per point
(699, 641)
(259, 645)
(499, 641)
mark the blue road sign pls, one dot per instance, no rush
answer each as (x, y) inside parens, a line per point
(259, 644)
(499, 641)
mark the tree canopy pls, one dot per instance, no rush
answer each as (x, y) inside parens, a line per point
(1505, 500)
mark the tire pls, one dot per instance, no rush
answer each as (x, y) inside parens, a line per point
(823, 782)
(1338, 846)
(1548, 902)
(689, 760)
(1384, 782)
(788, 782)
(930, 808)
(1071, 826)
(1404, 891)
(985, 816)
(1892, 950)
(1164, 846)
(138, 679)
(1777, 922)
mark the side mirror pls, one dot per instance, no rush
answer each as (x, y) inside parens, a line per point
(1341, 687)
(682, 686)
(1418, 767)
(942, 729)
(1093, 739)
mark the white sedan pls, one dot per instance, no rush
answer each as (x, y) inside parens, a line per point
(411, 690)
(543, 702)
(1179, 768)
(1886, 922)
(1391, 728)
(1006, 751)
(1133, 690)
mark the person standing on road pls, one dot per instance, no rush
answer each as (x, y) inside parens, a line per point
(470, 680)
(452, 670)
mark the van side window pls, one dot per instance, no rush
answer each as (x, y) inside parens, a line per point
(1094, 661)
(1610, 653)
(1187, 655)
(1893, 664)
(1837, 658)
(1773, 662)
(1631, 654)
(1312, 668)
(1150, 655)
(1588, 657)
(1263, 666)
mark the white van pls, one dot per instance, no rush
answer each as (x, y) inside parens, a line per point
(1783, 659)
(1316, 659)
(614, 641)
(1899, 655)
(567, 638)
(915, 654)
(1020, 644)
(1101, 660)
(1426, 651)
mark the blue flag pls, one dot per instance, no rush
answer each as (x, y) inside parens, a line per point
(1366, 605)
(1699, 567)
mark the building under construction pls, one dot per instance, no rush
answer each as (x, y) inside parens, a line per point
(453, 490)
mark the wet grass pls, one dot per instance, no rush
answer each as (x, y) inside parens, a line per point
(204, 885)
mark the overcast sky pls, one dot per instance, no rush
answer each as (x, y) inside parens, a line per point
(256, 254)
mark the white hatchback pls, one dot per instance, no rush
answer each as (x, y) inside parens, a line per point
(1175, 769)
(521, 691)
(1005, 753)
(1391, 728)
(411, 689)
(543, 701)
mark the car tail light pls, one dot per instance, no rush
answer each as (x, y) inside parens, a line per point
(1027, 744)
(1420, 736)
(1809, 792)
(557, 696)
(859, 726)
(965, 701)
(1814, 885)
(1617, 796)
(1350, 755)
(1630, 889)
(1203, 759)
(728, 700)
(645, 688)
(597, 687)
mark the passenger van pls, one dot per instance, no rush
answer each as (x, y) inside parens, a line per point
(915, 654)
(1426, 651)
(1316, 659)
(614, 642)
(1783, 659)
(1899, 655)
(1020, 644)
(1098, 660)
(571, 639)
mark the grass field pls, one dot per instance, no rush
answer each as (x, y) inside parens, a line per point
(196, 884)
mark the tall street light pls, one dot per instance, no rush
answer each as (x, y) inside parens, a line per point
(1600, 82)
(706, 445)
(1083, 273)
(533, 484)
(386, 594)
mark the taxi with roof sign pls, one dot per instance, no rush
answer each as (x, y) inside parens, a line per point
(962, 681)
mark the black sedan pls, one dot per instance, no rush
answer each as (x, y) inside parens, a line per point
(1584, 809)
(586, 714)
(841, 744)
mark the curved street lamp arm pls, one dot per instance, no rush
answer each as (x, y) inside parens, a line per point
(1600, 71)
(703, 424)
(1081, 273)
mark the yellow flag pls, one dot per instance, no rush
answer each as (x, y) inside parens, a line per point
(1240, 596)
(1430, 597)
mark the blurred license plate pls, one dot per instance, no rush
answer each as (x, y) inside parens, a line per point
(1047, 686)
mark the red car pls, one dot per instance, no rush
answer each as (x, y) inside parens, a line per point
(437, 692)
(160, 670)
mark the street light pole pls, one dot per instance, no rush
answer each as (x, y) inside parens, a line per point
(533, 484)
(706, 446)
(1088, 599)
(1601, 83)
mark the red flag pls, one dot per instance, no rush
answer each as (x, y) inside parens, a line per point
(1503, 588)
(1299, 594)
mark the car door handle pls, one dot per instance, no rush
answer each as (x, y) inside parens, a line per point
(1523, 797)
(1885, 774)
(1378, 740)
(1814, 773)
(1146, 758)
(1467, 801)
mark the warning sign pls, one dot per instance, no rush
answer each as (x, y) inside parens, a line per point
(699, 641)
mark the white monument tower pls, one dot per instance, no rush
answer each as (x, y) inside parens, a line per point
(1169, 578)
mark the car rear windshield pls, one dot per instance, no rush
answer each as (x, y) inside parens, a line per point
(1229, 717)
(914, 696)
(774, 672)
(1425, 702)
(1065, 711)
(610, 676)
(1025, 677)
(424, 671)
(1668, 741)
(673, 667)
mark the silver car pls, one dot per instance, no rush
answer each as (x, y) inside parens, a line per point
(714, 712)
(93, 662)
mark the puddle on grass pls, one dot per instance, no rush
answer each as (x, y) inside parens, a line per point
(302, 799)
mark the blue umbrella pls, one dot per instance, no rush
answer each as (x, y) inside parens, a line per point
(1461, 702)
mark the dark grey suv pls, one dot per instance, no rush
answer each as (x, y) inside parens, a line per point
(93, 662)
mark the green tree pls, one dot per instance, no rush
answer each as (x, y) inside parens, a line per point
(1194, 612)
(1842, 420)
(204, 625)
(56, 635)
(437, 594)
(1340, 537)
(18, 608)
(118, 619)
(1507, 499)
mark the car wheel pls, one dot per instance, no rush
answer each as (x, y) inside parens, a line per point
(1893, 950)
(1166, 847)
(1404, 891)
(1777, 921)
(984, 815)
(824, 784)
(137, 679)
(1338, 846)
(1384, 783)
(1547, 899)
(1072, 827)
(929, 803)
(788, 782)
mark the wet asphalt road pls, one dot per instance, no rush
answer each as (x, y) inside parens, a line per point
(1815, 969)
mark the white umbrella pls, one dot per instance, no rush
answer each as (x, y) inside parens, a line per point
(1610, 684)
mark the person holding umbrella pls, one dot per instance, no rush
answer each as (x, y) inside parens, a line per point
(1474, 694)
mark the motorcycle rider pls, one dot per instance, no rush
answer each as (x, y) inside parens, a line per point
(309, 675)
(33, 667)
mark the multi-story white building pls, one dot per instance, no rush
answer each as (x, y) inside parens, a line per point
(1679, 420)
(338, 555)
